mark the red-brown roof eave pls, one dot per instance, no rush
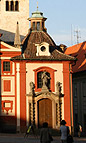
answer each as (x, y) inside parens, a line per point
(1, 34)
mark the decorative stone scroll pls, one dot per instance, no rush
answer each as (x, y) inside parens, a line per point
(32, 86)
(58, 88)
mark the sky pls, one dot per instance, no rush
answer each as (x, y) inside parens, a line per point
(64, 19)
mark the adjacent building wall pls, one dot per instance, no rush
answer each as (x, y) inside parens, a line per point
(8, 19)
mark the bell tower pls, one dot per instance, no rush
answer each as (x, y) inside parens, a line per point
(12, 11)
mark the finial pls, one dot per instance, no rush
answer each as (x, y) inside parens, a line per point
(37, 5)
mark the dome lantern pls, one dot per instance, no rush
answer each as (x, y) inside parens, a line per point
(37, 21)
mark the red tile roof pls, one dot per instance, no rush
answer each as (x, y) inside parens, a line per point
(78, 51)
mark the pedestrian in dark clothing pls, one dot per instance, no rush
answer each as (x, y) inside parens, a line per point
(64, 131)
(66, 137)
(45, 136)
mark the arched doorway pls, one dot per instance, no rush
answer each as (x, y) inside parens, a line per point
(44, 112)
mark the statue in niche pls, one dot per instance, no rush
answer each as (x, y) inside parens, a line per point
(45, 79)
(32, 86)
(58, 87)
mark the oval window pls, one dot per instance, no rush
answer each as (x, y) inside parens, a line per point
(43, 48)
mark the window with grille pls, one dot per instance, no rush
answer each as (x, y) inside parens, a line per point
(6, 66)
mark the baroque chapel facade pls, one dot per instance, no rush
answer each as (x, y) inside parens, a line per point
(36, 82)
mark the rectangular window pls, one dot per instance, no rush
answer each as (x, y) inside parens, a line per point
(84, 89)
(12, 5)
(75, 89)
(6, 66)
(33, 25)
(7, 6)
(38, 26)
(16, 6)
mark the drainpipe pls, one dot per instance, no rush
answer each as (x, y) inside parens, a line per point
(71, 100)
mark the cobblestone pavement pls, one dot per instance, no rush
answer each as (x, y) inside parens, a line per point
(11, 138)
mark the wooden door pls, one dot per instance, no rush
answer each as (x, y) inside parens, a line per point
(45, 112)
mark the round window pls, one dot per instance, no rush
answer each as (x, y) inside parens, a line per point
(43, 48)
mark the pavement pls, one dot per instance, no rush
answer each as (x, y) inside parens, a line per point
(19, 138)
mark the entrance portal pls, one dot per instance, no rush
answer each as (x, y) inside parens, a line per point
(45, 112)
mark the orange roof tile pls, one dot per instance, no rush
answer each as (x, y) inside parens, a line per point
(79, 51)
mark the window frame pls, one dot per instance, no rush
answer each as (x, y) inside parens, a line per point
(3, 66)
(84, 88)
(13, 7)
(33, 26)
(49, 70)
(38, 26)
(75, 89)
(7, 5)
(39, 79)
(16, 5)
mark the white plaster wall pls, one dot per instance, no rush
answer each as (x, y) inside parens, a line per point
(18, 93)
(8, 19)
(32, 66)
(0, 5)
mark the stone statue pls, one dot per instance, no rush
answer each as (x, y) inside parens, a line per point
(32, 86)
(45, 78)
(58, 87)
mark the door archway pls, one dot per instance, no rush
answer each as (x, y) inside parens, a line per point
(45, 112)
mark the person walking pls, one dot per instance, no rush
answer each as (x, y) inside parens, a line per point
(79, 130)
(64, 131)
(45, 136)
